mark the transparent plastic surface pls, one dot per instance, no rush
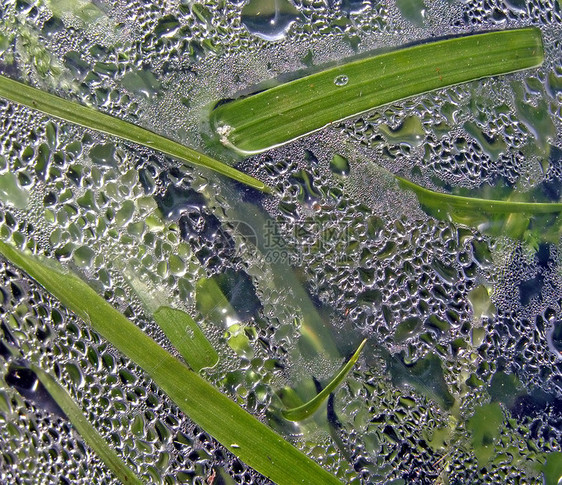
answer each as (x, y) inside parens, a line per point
(460, 380)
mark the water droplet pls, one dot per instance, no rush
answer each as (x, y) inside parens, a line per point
(83, 257)
(493, 146)
(554, 339)
(11, 192)
(409, 132)
(269, 19)
(339, 165)
(341, 80)
(142, 82)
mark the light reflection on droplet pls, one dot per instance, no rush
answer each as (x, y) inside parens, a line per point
(341, 80)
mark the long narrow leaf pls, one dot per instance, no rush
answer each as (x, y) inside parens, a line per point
(85, 428)
(249, 439)
(288, 111)
(95, 120)
(530, 221)
(309, 408)
(439, 200)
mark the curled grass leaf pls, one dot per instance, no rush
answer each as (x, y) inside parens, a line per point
(85, 429)
(240, 432)
(302, 412)
(276, 116)
(90, 118)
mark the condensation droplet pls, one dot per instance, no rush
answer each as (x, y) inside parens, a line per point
(83, 256)
(339, 165)
(341, 80)
(269, 19)
(11, 191)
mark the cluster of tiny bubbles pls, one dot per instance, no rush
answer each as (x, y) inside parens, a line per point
(388, 433)
(56, 455)
(379, 270)
(528, 308)
(169, 35)
(466, 135)
(17, 124)
(408, 284)
(353, 19)
(400, 434)
(37, 442)
(500, 13)
(515, 342)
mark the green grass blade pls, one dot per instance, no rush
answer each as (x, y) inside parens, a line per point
(245, 436)
(532, 222)
(85, 428)
(309, 408)
(289, 111)
(186, 337)
(445, 202)
(95, 120)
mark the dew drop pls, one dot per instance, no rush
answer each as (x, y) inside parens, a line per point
(269, 19)
(341, 80)
(339, 165)
(83, 256)
(11, 192)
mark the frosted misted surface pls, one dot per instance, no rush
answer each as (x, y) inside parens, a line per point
(461, 320)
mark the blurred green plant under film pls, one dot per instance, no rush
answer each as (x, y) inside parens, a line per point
(275, 241)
